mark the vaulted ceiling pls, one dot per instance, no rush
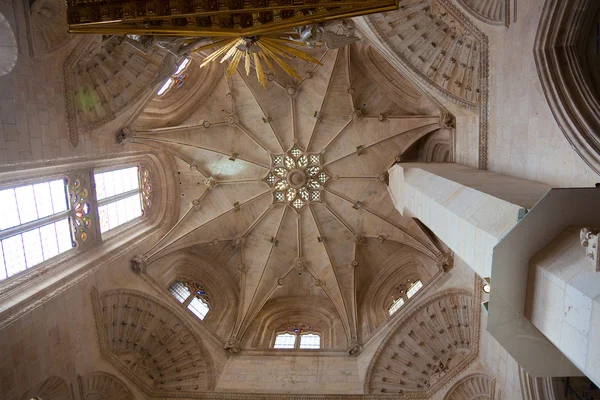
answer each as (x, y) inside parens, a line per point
(285, 187)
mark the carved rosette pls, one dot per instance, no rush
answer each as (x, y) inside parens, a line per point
(296, 178)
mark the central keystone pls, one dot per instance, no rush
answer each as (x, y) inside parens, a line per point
(296, 178)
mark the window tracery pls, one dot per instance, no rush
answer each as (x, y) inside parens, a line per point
(402, 293)
(298, 337)
(49, 217)
(296, 178)
(192, 295)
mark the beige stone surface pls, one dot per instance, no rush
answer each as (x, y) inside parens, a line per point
(564, 289)
(524, 139)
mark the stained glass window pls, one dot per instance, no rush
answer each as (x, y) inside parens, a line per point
(192, 295)
(119, 196)
(416, 286)
(177, 79)
(34, 225)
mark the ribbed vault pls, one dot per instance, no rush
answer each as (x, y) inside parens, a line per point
(353, 117)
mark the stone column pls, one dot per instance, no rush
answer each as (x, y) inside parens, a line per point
(564, 298)
(496, 224)
(468, 209)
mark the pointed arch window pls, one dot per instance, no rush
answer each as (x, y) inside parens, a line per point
(192, 295)
(403, 292)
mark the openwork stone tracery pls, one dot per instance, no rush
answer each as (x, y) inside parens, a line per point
(297, 178)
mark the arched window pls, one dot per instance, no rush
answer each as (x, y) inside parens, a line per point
(298, 338)
(402, 293)
(177, 79)
(34, 225)
(42, 219)
(192, 295)
(122, 196)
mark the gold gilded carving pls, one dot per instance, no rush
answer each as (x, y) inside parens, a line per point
(211, 17)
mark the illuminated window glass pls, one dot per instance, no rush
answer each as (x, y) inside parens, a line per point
(285, 341)
(119, 196)
(180, 291)
(177, 79)
(414, 289)
(198, 307)
(192, 295)
(310, 341)
(396, 306)
(34, 225)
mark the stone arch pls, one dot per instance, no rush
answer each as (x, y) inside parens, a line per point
(103, 386)
(55, 388)
(565, 56)
(280, 312)
(472, 387)
(150, 343)
(430, 346)
(221, 283)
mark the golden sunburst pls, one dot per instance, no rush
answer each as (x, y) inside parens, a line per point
(257, 49)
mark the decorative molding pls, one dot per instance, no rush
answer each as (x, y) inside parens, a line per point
(146, 339)
(103, 386)
(471, 387)
(55, 388)
(426, 340)
(493, 12)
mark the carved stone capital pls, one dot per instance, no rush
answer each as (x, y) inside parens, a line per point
(354, 347)
(233, 345)
(125, 136)
(590, 240)
(139, 264)
(445, 262)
